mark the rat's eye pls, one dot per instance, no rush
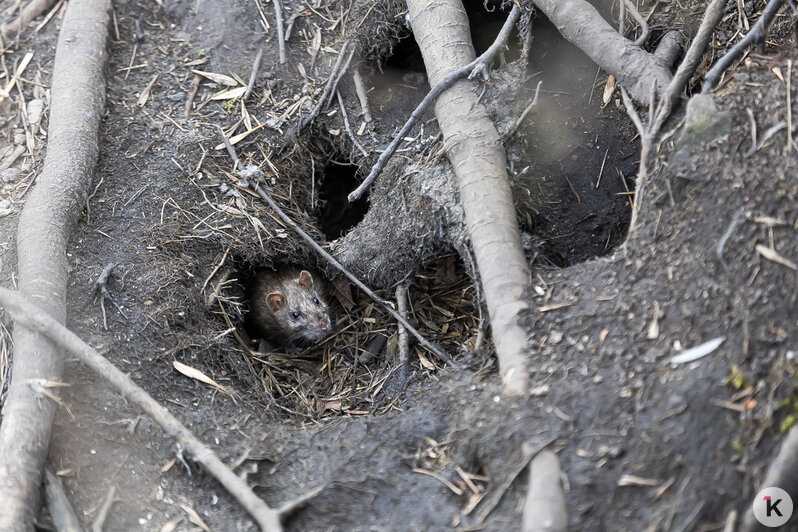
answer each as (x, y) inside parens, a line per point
(316, 300)
(295, 315)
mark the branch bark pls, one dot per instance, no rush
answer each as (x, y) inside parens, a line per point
(28, 13)
(479, 161)
(37, 321)
(50, 213)
(582, 25)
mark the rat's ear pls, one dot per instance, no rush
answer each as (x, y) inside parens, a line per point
(275, 300)
(305, 279)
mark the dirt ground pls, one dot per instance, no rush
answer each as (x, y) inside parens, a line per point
(643, 444)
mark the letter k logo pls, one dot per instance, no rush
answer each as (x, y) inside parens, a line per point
(772, 506)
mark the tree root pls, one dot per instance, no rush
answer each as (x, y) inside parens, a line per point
(29, 12)
(756, 35)
(544, 508)
(37, 321)
(659, 112)
(476, 152)
(45, 224)
(781, 474)
(582, 25)
(61, 511)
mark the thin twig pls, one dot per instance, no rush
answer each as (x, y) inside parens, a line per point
(757, 34)
(33, 318)
(332, 82)
(687, 68)
(401, 304)
(471, 70)
(362, 95)
(254, 73)
(348, 127)
(789, 105)
(645, 148)
(725, 238)
(644, 29)
(293, 504)
(278, 15)
(101, 289)
(526, 112)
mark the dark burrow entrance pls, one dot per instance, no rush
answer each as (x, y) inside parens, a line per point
(572, 160)
(336, 214)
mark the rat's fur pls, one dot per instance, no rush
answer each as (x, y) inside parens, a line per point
(288, 307)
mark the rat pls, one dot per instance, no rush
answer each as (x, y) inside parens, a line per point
(287, 306)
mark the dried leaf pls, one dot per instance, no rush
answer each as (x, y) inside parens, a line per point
(343, 293)
(773, 256)
(171, 525)
(221, 79)
(231, 94)
(556, 306)
(145, 94)
(197, 375)
(194, 517)
(426, 364)
(770, 221)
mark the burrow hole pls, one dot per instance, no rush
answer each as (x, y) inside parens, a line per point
(336, 214)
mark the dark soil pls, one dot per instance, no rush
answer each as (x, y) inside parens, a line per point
(643, 444)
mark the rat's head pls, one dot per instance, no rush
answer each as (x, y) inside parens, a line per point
(300, 308)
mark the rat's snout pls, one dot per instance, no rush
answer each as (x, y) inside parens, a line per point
(324, 326)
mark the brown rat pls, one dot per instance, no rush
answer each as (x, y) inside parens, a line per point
(288, 306)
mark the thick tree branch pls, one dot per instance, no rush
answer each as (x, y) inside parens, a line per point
(45, 225)
(582, 25)
(37, 321)
(477, 155)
